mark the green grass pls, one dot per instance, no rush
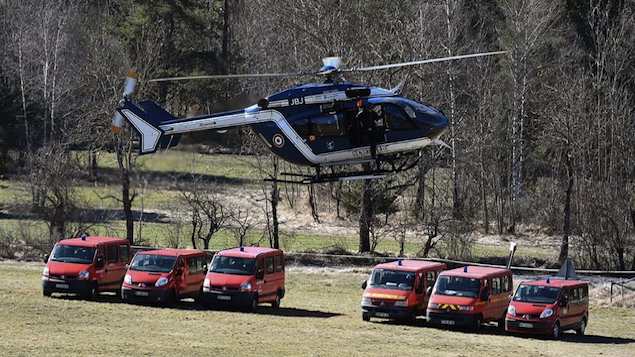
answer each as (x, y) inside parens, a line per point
(229, 166)
(319, 316)
(163, 235)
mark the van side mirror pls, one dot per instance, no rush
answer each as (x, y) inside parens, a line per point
(99, 262)
(484, 295)
(46, 258)
(429, 290)
(204, 266)
(364, 284)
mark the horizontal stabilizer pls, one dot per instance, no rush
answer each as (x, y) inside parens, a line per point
(145, 125)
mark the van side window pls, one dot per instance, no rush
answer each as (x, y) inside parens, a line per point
(260, 269)
(269, 264)
(279, 263)
(112, 253)
(496, 286)
(195, 265)
(584, 292)
(124, 253)
(431, 278)
(507, 286)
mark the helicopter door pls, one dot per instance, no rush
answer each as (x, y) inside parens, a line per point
(327, 133)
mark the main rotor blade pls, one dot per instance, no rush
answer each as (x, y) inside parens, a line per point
(403, 64)
(225, 76)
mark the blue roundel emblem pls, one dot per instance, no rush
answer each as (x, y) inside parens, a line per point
(278, 140)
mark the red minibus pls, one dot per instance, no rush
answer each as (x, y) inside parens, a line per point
(245, 276)
(165, 275)
(549, 307)
(469, 296)
(400, 289)
(86, 266)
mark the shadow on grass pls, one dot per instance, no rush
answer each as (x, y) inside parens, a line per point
(191, 305)
(90, 215)
(111, 176)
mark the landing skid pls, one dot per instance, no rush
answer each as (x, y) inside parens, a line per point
(373, 174)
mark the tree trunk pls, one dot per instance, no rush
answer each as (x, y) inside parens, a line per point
(274, 213)
(365, 217)
(564, 245)
(126, 197)
(314, 211)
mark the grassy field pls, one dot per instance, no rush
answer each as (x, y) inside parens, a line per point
(320, 316)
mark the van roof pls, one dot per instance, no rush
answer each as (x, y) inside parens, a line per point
(476, 272)
(556, 282)
(172, 252)
(246, 252)
(411, 265)
(91, 241)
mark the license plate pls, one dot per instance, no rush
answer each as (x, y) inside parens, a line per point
(61, 286)
(525, 325)
(448, 322)
(141, 293)
(224, 297)
(382, 314)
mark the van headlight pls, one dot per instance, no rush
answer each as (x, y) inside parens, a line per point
(161, 282)
(127, 279)
(366, 301)
(511, 310)
(206, 283)
(546, 313)
(433, 305)
(83, 275)
(45, 273)
(246, 286)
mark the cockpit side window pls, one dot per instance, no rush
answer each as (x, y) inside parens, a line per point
(396, 118)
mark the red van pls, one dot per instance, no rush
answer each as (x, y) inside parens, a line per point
(86, 266)
(245, 276)
(470, 295)
(400, 289)
(165, 275)
(549, 307)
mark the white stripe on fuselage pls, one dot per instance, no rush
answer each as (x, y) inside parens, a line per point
(254, 116)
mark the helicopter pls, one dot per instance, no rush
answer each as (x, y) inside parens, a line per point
(335, 123)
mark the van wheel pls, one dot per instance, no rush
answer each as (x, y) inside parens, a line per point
(90, 293)
(276, 303)
(477, 324)
(555, 331)
(365, 316)
(253, 303)
(46, 292)
(580, 330)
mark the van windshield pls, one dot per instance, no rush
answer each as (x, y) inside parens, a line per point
(233, 265)
(72, 254)
(456, 285)
(152, 263)
(392, 279)
(537, 294)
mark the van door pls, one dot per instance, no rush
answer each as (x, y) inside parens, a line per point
(114, 270)
(269, 285)
(195, 274)
(565, 309)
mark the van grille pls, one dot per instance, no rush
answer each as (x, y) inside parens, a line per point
(224, 288)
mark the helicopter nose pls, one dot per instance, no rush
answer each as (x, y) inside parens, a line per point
(436, 124)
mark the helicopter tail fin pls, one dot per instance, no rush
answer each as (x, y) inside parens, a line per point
(146, 117)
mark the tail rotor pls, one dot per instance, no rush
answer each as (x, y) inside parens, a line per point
(129, 87)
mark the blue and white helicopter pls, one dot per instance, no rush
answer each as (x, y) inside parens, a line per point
(323, 125)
